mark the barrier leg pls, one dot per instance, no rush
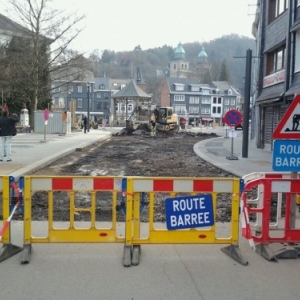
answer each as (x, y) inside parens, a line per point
(136, 255)
(26, 254)
(8, 250)
(288, 252)
(127, 256)
(265, 251)
(234, 252)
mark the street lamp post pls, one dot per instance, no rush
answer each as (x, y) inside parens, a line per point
(88, 107)
(69, 100)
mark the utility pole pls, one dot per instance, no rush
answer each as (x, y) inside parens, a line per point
(247, 104)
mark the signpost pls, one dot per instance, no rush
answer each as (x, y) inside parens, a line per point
(189, 212)
(232, 118)
(46, 118)
(286, 154)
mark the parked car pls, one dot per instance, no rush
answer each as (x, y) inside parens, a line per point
(239, 127)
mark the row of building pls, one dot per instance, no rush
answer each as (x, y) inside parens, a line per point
(200, 103)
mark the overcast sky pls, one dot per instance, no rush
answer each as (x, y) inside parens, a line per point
(120, 25)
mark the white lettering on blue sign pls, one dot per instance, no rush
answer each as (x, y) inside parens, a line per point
(190, 219)
(286, 155)
(189, 212)
(289, 149)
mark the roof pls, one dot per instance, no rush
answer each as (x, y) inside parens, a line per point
(224, 86)
(131, 91)
(179, 49)
(202, 53)
(172, 81)
(9, 26)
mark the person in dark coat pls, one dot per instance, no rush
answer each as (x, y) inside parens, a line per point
(8, 130)
(84, 123)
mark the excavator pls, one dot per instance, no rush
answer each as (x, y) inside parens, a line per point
(142, 115)
(165, 119)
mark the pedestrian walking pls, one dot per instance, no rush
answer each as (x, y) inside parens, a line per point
(84, 123)
(8, 130)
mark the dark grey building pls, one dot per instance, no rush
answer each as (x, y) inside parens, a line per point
(276, 72)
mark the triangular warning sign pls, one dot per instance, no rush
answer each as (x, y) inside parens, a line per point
(289, 125)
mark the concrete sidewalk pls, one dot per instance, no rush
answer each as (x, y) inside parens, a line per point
(31, 152)
(216, 151)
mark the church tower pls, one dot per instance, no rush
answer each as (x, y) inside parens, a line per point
(179, 67)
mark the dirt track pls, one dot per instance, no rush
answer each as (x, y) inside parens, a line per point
(134, 155)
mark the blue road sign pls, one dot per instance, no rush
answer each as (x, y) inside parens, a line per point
(286, 155)
(189, 212)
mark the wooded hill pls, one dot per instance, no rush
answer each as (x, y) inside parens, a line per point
(220, 51)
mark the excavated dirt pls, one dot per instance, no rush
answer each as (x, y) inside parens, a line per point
(129, 155)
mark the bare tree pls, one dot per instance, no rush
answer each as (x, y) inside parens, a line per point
(49, 30)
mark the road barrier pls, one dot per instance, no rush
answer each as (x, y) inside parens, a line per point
(85, 195)
(188, 204)
(287, 229)
(257, 197)
(191, 210)
(11, 200)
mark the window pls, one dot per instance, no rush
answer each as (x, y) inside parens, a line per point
(205, 101)
(102, 86)
(98, 95)
(99, 105)
(226, 109)
(71, 88)
(195, 88)
(214, 100)
(105, 95)
(61, 103)
(275, 60)
(197, 100)
(194, 109)
(226, 102)
(219, 100)
(79, 89)
(179, 98)
(216, 109)
(180, 109)
(79, 103)
(205, 111)
(297, 51)
(276, 8)
(179, 87)
(192, 100)
(130, 107)
(229, 92)
(232, 102)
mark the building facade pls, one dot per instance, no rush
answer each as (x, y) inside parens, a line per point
(197, 102)
(276, 72)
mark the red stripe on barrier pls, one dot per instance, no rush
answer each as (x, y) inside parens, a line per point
(203, 185)
(104, 184)
(273, 175)
(62, 184)
(295, 187)
(163, 185)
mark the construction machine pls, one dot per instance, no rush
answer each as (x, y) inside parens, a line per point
(165, 119)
